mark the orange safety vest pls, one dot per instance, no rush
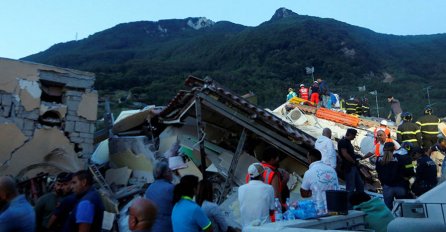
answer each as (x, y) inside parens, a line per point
(378, 146)
(386, 130)
(268, 176)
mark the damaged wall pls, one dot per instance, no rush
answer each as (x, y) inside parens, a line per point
(47, 117)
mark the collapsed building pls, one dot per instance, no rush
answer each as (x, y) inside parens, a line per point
(47, 118)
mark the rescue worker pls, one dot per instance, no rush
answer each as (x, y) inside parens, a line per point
(428, 127)
(314, 93)
(359, 106)
(382, 126)
(365, 107)
(379, 146)
(291, 94)
(408, 131)
(351, 105)
(303, 92)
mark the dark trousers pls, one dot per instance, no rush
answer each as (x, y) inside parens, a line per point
(429, 140)
(393, 192)
(353, 180)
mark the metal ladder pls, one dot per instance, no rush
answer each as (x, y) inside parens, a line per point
(99, 178)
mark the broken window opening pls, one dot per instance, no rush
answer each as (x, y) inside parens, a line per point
(51, 118)
(77, 148)
(51, 91)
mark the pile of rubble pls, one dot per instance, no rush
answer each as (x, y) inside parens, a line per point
(47, 118)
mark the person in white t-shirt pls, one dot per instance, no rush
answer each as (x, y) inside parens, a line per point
(327, 148)
(319, 178)
(256, 198)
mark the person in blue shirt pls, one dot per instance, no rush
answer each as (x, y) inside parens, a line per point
(187, 216)
(291, 94)
(16, 214)
(88, 213)
(160, 193)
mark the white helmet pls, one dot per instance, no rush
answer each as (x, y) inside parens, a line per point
(383, 122)
(302, 85)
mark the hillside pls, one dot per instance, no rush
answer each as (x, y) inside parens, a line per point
(152, 59)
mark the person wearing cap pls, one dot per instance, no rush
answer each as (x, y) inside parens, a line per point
(425, 174)
(303, 92)
(256, 198)
(382, 126)
(391, 173)
(319, 178)
(353, 180)
(46, 204)
(291, 94)
(314, 93)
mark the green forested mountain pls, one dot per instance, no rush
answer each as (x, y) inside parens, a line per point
(152, 59)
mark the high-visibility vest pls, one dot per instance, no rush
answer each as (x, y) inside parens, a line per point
(304, 93)
(268, 175)
(378, 146)
(429, 125)
(409, 132)
(350, 106)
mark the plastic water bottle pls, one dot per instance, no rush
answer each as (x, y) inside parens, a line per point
(289, 213)
(277, 210)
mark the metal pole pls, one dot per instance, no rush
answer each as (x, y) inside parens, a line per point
(200, 134)
(376, 99)
(428, 97)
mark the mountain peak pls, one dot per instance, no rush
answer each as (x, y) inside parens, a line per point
(283, 13)
(198, 23)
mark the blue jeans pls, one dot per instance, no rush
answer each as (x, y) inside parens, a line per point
(391, 192)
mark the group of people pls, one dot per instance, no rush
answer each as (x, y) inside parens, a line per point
(72, 205)
(318, 94)
(176, 209)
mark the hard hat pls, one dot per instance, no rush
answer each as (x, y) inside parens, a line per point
(302, 85)
(407, 116)
(383, 122)
(428, 110)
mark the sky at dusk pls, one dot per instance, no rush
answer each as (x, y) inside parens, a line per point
(31, 26)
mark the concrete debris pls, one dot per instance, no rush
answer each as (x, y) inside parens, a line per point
(132, 118)
(42, 151)
(101, 154)
(88, 106)
(132, 152)
(11, 139)
(38, 127)
(30, 93)
(118, 176)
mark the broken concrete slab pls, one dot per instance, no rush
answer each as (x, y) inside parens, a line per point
(88, 106)
(118, 176)
(30, 93)
(131, 151)
(55, 107)
(49, 148)
(133, 161)
(191, 169)
(11, 70)
(10, 139)
(132, 118)
(101, 154)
